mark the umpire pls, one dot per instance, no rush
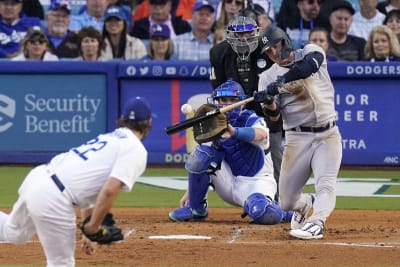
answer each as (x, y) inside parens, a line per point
(239, 58)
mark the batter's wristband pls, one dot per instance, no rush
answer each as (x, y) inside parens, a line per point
(272, 113)
(245, 134)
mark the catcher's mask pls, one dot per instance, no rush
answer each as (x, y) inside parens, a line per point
(271, 36)
(229, 89)
(242, 34)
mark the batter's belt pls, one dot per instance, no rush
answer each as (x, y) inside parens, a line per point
(320, 129)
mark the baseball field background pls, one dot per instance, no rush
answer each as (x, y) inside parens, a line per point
(158, 191)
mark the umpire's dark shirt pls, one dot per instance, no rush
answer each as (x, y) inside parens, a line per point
(224, 65)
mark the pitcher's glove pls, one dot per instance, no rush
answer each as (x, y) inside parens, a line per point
(107, 233)
(209, 129)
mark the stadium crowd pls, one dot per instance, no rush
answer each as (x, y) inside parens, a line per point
(101, 30)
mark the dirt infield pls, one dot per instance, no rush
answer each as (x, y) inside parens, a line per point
(352, 238)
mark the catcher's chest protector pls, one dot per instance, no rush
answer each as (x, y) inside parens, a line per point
(244, 158)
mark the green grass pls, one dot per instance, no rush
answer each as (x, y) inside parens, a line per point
(150, 196)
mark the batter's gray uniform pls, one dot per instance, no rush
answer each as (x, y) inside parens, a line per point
(304, 104)
(49, 193)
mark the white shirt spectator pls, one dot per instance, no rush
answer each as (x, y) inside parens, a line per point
(361, 26)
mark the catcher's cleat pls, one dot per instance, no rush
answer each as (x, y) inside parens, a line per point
(186, 214)
(287, 216)
(299, 219)
(311, 230)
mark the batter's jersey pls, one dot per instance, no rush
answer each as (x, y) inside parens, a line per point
(83, 170)
(304, 102)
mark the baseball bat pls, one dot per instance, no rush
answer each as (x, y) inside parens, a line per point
(195, 120)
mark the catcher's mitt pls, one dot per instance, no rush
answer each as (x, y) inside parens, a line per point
(209, 129)
(107, 233)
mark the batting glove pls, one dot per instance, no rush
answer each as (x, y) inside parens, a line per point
(272, 88)
(263, 97)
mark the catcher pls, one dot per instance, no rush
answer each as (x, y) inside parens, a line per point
(88, 177)
(233, 156)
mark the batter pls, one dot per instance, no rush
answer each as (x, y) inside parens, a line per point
(298, 88)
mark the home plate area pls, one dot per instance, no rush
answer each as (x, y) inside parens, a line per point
(351, 238)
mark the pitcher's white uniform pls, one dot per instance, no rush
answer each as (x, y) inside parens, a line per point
(305, 104)
(49, 193)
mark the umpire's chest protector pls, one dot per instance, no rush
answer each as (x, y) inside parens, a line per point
(244, 159)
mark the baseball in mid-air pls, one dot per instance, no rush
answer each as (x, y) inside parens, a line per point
(186, 109)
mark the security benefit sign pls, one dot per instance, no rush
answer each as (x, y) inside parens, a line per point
(50, 113)
(367, 115)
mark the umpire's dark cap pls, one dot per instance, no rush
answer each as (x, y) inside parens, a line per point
(343, 4)
(137, 109)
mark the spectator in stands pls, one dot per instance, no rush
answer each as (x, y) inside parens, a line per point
(63, 42)
(33, 8)
(35, 47)
(365, 19)
(342, 45)
(160, 13)
(90, 44)
(13, 27)
(126, 7)
(229, 8)
(179, 8)
(382, 45)
(118, 44)
(263, 19)
(386, 6)
(219, 36)
(320, 36)
(298, 26)
(160, 46)
(392, 20)
(93, 15)
(196, 44)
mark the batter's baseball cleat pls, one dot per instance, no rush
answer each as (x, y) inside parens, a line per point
(299, 219)
(287, 216)
(311, 230)
(186, 214)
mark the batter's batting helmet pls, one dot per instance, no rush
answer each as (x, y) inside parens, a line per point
(271, 36)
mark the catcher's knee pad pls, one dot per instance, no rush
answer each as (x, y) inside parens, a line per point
(262, 210)
(203, 159)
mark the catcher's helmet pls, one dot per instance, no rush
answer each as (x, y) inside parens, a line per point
(243, 45)
(273, 35)
(229, 88)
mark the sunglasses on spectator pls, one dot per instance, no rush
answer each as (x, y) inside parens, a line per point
(238, 3)
(37, 40)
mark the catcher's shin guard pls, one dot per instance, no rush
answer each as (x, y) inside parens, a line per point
(198, 188)
(262, 210)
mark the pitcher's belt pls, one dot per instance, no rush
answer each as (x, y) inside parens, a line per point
(58, 183)
(314, 129)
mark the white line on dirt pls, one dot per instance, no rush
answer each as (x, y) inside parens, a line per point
(235, 236)
(375, 245)
(179, 237)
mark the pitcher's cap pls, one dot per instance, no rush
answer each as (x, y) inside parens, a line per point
(137, 109)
